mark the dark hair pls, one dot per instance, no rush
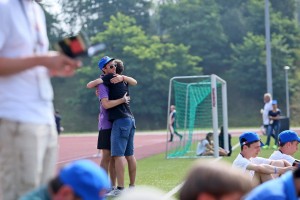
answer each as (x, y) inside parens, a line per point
(208, 135)
(216, 179)
(55, 184)
(281, 144)
(120, 66)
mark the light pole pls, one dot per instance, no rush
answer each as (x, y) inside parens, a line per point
(268, 49)
(286, 68)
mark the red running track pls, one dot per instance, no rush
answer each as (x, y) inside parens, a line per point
(74, 147)
(80, 146)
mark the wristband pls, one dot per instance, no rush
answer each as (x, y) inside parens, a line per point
(275, 170)
(123, 77)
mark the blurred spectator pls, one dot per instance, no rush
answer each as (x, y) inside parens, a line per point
(81, 179)
(28, 138)
(214, 180)
(274, 125)
(265, 111)
(172, 123)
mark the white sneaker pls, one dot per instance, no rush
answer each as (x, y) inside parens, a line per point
(114, 193)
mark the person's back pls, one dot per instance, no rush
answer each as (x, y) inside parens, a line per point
(117, 91)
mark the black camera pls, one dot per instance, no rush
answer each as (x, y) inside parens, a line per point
(76, 46)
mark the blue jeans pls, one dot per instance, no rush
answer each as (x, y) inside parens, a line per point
(271, 128)
(122, 137)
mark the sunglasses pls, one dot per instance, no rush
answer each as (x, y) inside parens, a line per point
(111, 66)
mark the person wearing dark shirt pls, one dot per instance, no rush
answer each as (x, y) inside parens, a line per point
(274, 125)
(123, 128)
(221, 141)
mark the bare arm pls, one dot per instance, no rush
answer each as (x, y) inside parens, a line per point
(58, 65)
(94, 83)
(130, 80)
(118, 78)
(112, 103)
(268, 169)
(286, 163)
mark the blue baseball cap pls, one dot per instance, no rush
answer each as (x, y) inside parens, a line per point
(274, 102)
(288, 136)
(86, 178)
(248, 137)
(104, 61)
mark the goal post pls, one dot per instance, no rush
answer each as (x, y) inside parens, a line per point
(201, 106)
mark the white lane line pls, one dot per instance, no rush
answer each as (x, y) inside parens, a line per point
(177, 188)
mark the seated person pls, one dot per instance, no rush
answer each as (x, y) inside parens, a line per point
(206, 148)
(221, 141)
(288, 146)
(261, 168)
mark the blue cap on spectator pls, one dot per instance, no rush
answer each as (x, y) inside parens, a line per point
(86, 178)
(288, 136)
(274, 102)
(248, 137)
(104, 61)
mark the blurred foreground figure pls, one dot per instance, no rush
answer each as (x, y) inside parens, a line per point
(286, 187)
(215, 180)
(28, 137)
(81, 179)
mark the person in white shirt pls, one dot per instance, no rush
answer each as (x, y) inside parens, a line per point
(265, 111)
(28, 136)
(261, 168)
(288, 145)
(205, 147)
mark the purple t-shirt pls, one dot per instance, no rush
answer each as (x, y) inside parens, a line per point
(103, 123)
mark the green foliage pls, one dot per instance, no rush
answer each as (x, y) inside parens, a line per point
(90, 16)
(148, 60)
(171, 38)
(196, 24)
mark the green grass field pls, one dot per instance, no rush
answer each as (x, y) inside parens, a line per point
(166, 174)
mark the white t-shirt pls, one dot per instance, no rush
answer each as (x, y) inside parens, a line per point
(277, 155)
(26, 96)
(265, 115)
(242, 163)
(201, 147)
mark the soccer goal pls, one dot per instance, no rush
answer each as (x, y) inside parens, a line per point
(201, 107)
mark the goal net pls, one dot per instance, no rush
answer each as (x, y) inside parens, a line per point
(201, 107)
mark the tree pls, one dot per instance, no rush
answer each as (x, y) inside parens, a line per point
(89, 16)
(196, 23)
(151, 62)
